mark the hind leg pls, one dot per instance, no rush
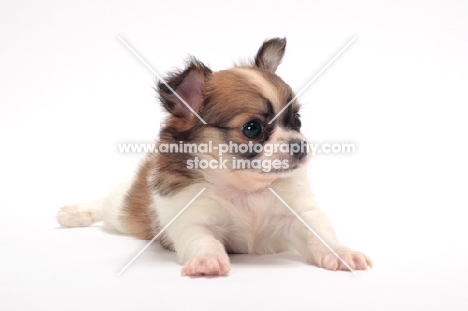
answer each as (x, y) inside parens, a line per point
(80, 215)
(108, 209)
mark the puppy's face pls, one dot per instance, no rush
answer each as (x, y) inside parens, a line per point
(255, 140)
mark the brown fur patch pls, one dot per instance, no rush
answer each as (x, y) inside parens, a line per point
(243, 90)
(139, 219)
(172, 172)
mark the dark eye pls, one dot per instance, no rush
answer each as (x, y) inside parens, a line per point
(252, 129)
(297, 121)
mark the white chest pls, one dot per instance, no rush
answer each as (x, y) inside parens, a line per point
(258, 222)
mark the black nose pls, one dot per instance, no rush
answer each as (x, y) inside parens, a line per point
(298, 148)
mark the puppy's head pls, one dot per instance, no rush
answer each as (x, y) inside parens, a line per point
(252, 128)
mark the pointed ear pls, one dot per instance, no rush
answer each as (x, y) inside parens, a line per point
(270, 54)
(188, 84)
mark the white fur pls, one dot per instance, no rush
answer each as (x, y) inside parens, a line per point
(256, 223)
(228, 217)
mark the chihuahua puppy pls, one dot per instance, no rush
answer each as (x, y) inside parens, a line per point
(237, 212)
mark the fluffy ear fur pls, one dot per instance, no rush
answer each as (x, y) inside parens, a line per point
(188, 84)
(270, 54)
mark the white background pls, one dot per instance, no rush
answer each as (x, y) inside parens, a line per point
(70, 92)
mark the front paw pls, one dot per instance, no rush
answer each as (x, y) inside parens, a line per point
(356, 260)
(208, 264)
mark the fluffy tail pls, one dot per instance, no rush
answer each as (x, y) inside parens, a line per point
(81, 215)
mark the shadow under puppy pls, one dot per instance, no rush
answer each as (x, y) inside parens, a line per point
(237, 212)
